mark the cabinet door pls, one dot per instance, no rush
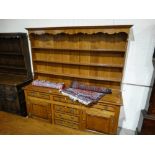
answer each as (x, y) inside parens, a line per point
(39, 108)
(99, 121)
(11, 103)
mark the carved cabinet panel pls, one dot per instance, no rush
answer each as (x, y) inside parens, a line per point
(99, 120)
(96, 123)
(39, 109)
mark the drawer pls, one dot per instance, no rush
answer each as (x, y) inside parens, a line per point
(44, 96)
(104, 107)
(66, 109)
(39, 95)
(64, 99)
(72, 111)
(59, 108)
(59, 98)
(67, 117)
(66, 123)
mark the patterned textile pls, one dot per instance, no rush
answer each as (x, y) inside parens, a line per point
(48, 84)
(78, 85)
(83, 96)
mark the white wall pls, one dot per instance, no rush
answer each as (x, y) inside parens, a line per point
(138, 67)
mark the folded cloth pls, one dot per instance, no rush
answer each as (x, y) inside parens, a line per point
(83, 96)
(78, 85)
(48, 84)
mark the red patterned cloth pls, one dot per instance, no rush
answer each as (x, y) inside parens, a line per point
(48, 84)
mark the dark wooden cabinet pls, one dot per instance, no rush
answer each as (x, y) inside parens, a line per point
(15, 72)
(146, 125)
(151, 109)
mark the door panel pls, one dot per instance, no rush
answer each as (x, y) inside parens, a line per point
(39, 108)
(100, 124)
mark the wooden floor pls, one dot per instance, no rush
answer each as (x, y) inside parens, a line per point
(11, 124)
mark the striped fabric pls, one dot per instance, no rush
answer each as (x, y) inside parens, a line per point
(48, 84)
(78, 85)
(85, 94)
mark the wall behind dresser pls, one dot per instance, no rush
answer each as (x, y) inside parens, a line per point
(138, 67)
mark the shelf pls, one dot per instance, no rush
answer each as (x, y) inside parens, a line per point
(11, 67)
(81, 64)
(11, 53)
(72, 49)
(81, 77)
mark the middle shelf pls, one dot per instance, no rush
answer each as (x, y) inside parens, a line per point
(81, 64)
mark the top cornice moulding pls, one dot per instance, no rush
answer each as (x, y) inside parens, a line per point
(111, 29)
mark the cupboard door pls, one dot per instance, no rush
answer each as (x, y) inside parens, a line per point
(100, 121)
(39, 109)
(96, 123)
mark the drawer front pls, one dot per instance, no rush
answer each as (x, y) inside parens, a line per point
(72, 111)
(66, 123)
(39, 95)
(59, 98)
(66, 109)
(104, 107)
(67, 117)
(44, 96)
(64, 99)
(59, 108)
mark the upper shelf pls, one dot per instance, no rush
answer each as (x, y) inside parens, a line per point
(73, 49)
